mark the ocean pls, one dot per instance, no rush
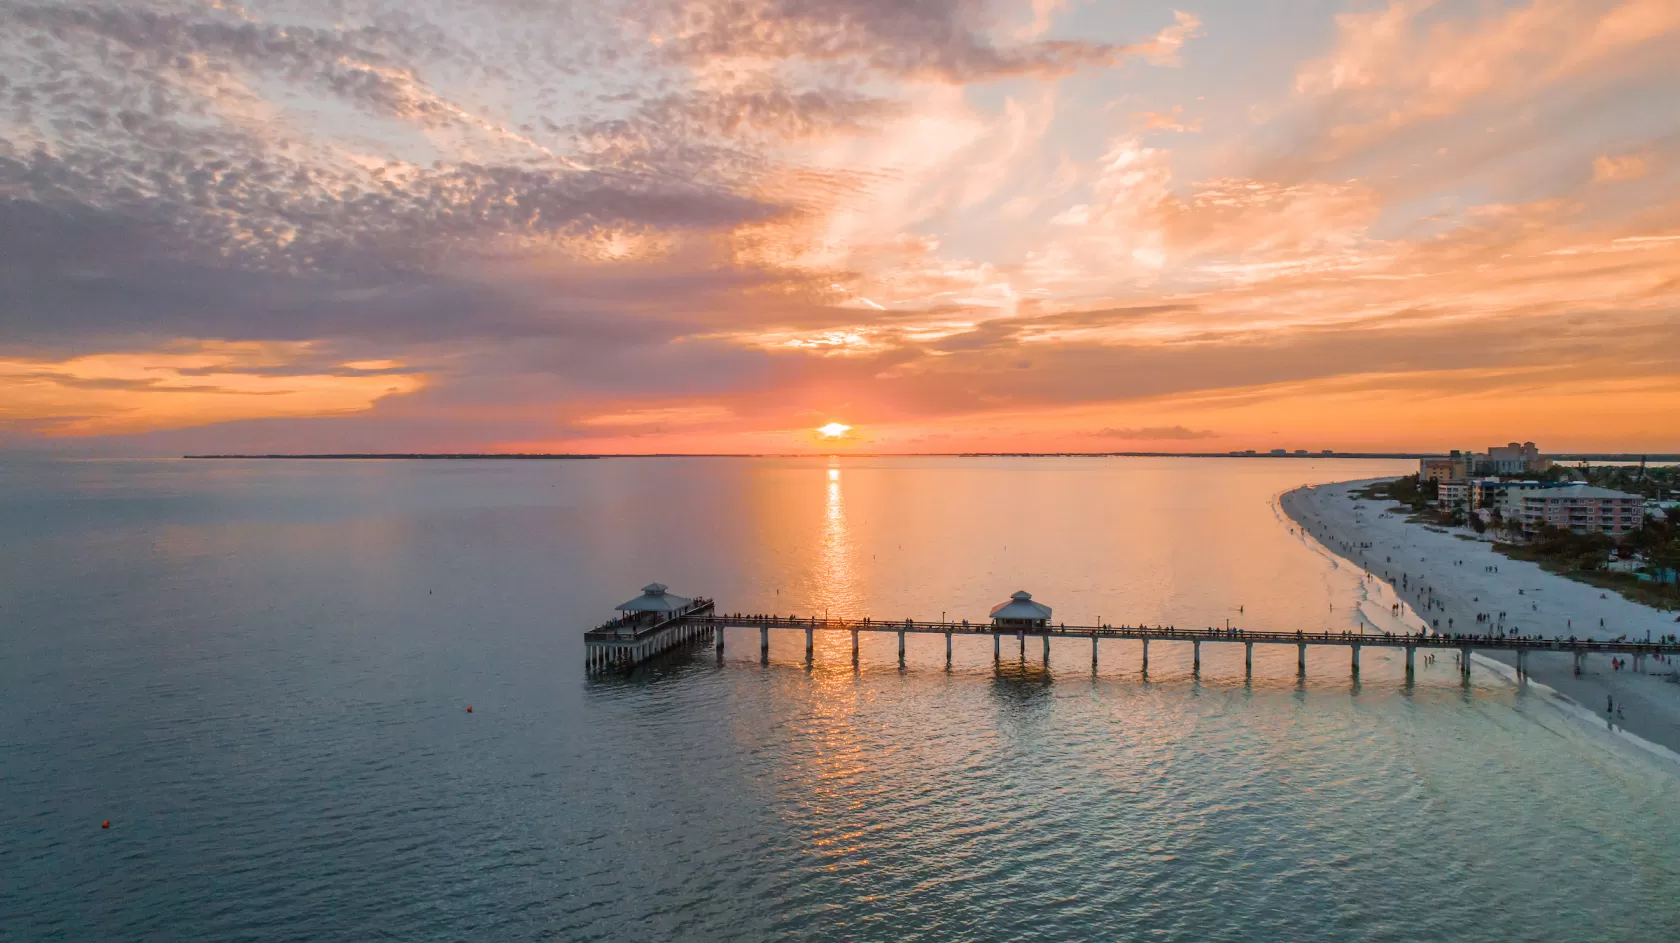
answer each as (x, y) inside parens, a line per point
(259, 673)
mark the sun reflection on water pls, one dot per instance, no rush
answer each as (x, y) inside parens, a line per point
(837, 583)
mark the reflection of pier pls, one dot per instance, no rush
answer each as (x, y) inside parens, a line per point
(628, 641)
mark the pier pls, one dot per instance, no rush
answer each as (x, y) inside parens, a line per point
(641, 634)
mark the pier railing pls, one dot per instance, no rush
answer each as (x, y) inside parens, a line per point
(627, 641)
(1211, 634)
(635, 625)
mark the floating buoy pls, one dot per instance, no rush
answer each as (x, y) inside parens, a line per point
(469, 708)
(105, 824)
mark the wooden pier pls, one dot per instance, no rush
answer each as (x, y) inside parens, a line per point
(630, 640)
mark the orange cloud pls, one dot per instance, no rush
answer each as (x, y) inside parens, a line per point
(189, 384)
(1608, 168)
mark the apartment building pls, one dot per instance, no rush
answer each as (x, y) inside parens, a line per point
(1583, 509)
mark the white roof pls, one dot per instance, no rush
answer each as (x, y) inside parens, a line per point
(1577, 491)
(1021, 606)
(654, 598)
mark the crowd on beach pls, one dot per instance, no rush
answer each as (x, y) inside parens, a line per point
(1502, 607)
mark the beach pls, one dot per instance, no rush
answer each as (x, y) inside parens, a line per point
(1412, 564)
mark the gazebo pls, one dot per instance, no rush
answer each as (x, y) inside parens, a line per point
(655, 601)
(1020, 612)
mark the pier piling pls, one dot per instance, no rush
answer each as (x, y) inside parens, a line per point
(1196, 658)
(997, 646)
(1411, 657)
(764, 643)
(810, 644)
(1047, 651)
(854, 647)
(901, 646)
(947, 649)
(1093, 651)
(1301, 660)
(1248, 659)
(1145, 656)
(1356, 662)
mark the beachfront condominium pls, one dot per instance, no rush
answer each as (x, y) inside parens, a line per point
(1453, 494)
(1503, 496)
(1583, 509)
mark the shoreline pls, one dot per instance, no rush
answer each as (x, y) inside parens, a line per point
(1415, 564)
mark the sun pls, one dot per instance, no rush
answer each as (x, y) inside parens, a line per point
(834, 430)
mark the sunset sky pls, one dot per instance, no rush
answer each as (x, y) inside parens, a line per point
(940, 225)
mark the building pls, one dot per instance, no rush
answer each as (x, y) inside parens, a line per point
(1455, 467)
(1020, 612)
(1583, 509)
(1280, 451)
(1453, 494)
(1503, 496)
(1511, 459)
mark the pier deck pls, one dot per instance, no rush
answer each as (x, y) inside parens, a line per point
(703, 621)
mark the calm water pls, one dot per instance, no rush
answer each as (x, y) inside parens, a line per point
(259, 673)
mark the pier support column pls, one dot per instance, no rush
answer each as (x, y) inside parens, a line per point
(854, 647)
(947, 649)
(1196, 658)
(1093, 652)
(1577, 664)
(1464, 663)
(764, 643)
(1301, 659)
(1356, 662)
(1522, 666)
(1047, 651)
(717, 635)
(1145, 656)
(810, 643)
(1411, 657)
(901, 646)
(1022, 637)
(997, 646)
(1248, 659)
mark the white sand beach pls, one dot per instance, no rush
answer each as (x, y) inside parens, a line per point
(1422, 564)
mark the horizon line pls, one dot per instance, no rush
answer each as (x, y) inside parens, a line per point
(560, 456)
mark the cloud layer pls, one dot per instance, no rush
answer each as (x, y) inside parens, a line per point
(664, 225)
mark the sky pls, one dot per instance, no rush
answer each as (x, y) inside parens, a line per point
(949, 225)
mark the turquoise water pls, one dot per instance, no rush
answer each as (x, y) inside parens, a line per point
(258, 672)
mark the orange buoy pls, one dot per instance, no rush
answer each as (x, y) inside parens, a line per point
(105, 824)
(469, 708)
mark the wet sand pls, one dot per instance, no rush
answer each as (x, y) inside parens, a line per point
(1454, 572)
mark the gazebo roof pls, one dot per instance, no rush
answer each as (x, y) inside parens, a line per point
(1021, 606)
(654, 598)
